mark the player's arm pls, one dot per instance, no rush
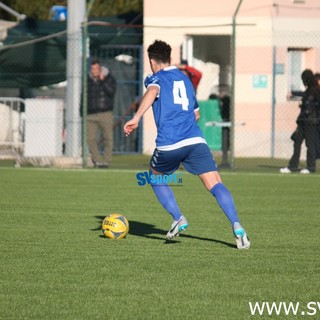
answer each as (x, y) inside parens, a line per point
(146, 103)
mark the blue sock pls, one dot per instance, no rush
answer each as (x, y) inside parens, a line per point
(167, 199)
(225, 201)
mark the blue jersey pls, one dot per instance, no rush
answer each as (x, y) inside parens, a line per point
(173, 109)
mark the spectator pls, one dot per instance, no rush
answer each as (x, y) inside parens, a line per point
(101, 92)
(195, 76)
(308, 123)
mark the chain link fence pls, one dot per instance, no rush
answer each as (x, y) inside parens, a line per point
(41, 111)
(254, 135)
(268, 63)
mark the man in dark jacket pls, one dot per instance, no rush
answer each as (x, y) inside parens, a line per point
(101, 92)
(308, 122)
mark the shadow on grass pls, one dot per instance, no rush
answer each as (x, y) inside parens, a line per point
(150, 231)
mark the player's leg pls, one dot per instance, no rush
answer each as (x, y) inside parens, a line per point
(166, 162)
(213, 183)
(201, 162)
(166, 198)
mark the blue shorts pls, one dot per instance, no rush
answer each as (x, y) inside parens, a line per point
(196, 159)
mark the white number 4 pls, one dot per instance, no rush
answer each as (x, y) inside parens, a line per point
(180, 94)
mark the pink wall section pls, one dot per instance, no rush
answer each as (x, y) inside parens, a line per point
(282, 54)
(218, 8)
(311, 59)
(254, 60)
(253, 116)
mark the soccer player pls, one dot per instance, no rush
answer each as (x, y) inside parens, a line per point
(180, 140)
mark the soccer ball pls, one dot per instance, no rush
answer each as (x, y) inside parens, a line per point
(115, 226)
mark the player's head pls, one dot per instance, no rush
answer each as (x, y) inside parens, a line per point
(160, 51)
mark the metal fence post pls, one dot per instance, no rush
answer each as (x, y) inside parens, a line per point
(233, 61)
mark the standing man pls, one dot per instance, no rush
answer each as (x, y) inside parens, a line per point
(180, 140)
(308, 124)
(101, 92)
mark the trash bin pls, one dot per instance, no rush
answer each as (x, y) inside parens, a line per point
(210, 111)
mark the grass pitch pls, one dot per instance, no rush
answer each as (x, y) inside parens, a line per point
(55, 264)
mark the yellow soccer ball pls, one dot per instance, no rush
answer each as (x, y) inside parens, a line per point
(115, 226)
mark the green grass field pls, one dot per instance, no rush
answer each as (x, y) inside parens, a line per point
(55, 264)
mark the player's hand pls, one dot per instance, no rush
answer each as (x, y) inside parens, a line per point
(130, 126)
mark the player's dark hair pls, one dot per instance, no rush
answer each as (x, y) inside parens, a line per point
(160, 51)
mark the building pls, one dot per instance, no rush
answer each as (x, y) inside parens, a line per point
(274, 41)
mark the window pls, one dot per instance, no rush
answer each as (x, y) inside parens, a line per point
(296, 65)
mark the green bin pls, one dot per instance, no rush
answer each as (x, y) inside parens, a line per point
(210, 111)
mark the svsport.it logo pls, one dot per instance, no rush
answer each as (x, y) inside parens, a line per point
(147, 177)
